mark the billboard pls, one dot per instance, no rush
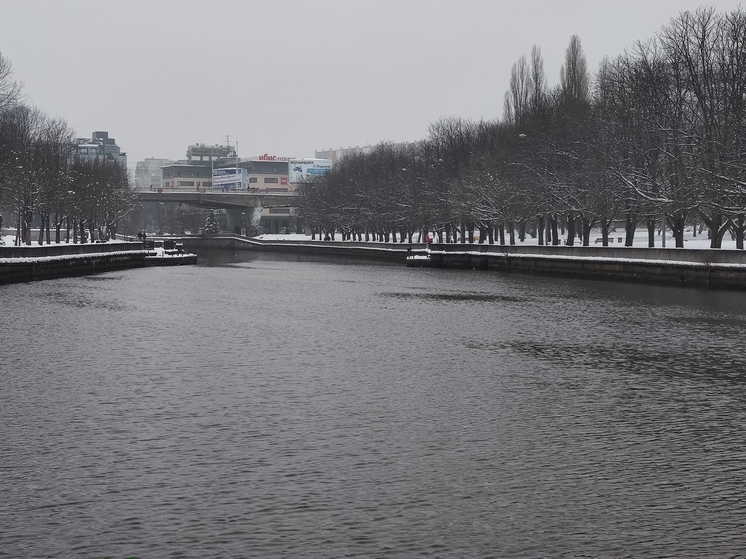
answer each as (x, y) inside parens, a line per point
(229, 179)
(300, 170)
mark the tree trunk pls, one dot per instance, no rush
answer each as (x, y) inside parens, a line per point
(718, 227)
(739, 227)
(587, 224)
(570, 230)
(28, 218)
(57, 229)
(651, 233)
(18, 229)
(605, 223)
(540, 229)
(629, 228)
(41, 231)
(491, 233)
(555, 232)
(511, 233)
(677, 222)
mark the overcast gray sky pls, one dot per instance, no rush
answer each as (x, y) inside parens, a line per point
(287, 77)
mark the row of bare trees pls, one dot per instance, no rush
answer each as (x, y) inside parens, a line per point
(41, 177)
(655, 138)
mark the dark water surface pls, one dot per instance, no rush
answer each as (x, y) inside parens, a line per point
(279, 408)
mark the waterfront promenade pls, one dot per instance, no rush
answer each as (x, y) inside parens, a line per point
(689, 267)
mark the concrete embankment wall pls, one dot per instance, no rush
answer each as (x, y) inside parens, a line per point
(21, 264)
(715, 269)
(63, 249)
(386, 252)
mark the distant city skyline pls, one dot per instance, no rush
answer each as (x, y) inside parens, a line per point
(288, 77)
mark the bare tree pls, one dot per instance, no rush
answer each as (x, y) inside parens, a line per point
(518, 96)
(574, 78)
(10, 90)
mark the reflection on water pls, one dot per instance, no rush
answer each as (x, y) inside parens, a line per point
(262, 406)
(80, 300)
(462, 297)
(610, 357)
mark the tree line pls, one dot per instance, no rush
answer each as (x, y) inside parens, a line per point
(655, 138)
(41, 176)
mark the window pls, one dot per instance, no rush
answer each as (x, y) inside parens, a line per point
(206, 183)
(186, 183)
(279, 210)
(252, 179)
(270, 180)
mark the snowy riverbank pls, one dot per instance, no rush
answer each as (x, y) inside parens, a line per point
(640, 240)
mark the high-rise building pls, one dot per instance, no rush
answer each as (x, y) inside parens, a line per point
(99, 147)
(337, 154)
(148, 173)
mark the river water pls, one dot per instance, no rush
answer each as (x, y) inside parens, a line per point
(286, 407)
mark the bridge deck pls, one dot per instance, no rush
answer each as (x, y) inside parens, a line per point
(218, 199)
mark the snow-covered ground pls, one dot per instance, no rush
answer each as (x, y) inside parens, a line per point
(9, 240)
(641, 239)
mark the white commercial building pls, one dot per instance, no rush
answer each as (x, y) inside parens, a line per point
(149, 173)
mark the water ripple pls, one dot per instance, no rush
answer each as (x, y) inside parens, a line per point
(274, 408)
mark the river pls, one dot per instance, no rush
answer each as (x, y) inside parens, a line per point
(277, 406)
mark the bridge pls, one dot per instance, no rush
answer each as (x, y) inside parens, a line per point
(226, 200)
(234, 203)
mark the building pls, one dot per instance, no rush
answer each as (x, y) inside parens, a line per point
(201, 154)
(182, 175)
(263, 173)
(99, 148)
(195, 172)
(149, 173)
(337, 154)
(267, 172)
